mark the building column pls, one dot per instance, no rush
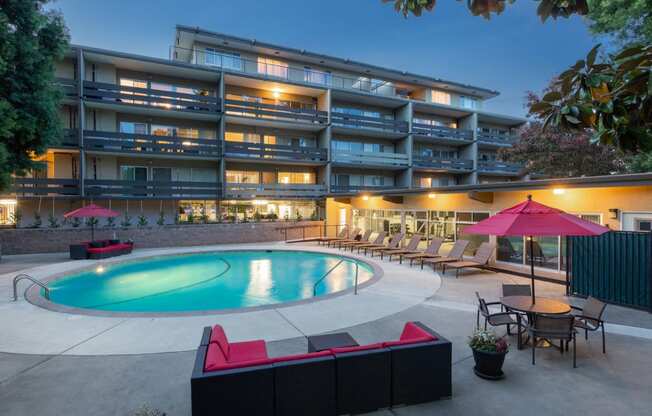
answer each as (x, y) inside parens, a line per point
(81, 71)
(470, 151)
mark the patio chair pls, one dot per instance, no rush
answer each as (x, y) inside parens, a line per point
(551, 328)
(516, 290)
(391, 245)
(363, 240)
(410, 248)
(497, 318)
(589, 318)
(342, 234)
(455, 254)
(351, 237)
(377, 242)
(480, 259)
(432, 251)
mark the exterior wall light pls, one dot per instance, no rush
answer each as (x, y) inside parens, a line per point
(276, 92)
(365, 197)
(432, 195)
(558, 191)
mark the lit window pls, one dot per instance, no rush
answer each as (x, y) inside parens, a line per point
(468, 102)
(441, 97)
(272, 67)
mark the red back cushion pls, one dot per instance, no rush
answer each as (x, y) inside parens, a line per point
(214, 357)
(219, 337)
(412, 331)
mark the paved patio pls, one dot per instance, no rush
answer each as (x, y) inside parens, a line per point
(117, 384)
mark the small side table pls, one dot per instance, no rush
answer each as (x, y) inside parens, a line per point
(324, 342)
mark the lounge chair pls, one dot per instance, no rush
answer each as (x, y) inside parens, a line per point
(377, 242)
(482, 256)
(455, 254)
(392, 245)
(410, 248)
(350, 237)
(363, 240)
(432, 251)
(344, 232)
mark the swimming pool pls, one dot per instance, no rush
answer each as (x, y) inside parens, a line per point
(208, 281)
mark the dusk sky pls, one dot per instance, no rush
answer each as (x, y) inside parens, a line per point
(511, 53)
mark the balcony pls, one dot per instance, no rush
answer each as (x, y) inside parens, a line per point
(33, 187)
(378, 124)
(443, 133)
(68, 87)
(369, 159)
(102, 188)
(105, 93)
(494, 167)
(444, 165)
(273, 112)
(68, 139)
(352, 189)
(274, 190)
(115, 142)
(284, 72)
(242, 150)
(496, 140)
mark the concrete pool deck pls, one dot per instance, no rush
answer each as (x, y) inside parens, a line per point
(26, 325)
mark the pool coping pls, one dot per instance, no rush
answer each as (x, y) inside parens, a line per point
(33, 296)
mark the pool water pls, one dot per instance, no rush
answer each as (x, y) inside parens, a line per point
(208, 281)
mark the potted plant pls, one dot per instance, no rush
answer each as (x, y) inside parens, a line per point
(489, 354)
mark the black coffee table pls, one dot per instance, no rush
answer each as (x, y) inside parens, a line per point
(328, 341)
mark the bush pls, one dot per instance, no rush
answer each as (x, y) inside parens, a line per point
(161, 219)
(16, 216)
(142, 221)
(37, 221)
(257, 216)
(110, 222)
(76, 222)
(91, 222)
(53, 222)
(126, 221)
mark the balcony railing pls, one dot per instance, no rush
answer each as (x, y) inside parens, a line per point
(443, 164)
(274, 190)
(284, 72)
(26, 187)
(146, 143)
(149, 97)
(372, 123)
(69, 138)
(395, 160)
(442, 132)
(151, 189)
(494, 166)
(274, 152)
(496, 139)
(68, 86)
(360, 188)
(274, 112)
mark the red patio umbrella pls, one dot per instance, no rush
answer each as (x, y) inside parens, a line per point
(91, 211)
(531, 218)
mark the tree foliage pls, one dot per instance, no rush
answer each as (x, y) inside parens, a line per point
(485, 8)
(611, 98)
(557, 153)
(31, 41)
(626, 20)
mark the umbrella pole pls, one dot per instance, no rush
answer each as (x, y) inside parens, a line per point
(532, 268)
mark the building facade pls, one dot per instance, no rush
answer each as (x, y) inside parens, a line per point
(232, 129)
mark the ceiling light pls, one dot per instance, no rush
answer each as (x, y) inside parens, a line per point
(558, 191)
(365, 197)
(432, 195)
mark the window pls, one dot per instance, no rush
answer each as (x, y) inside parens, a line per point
(316, 77)
(296, 177)
(133, 173)
(440, 97)
(242, 137)
(468, 102)
(133, 128)
(425, 182)
(224, 59)
(272, 67)
(241, 176)
(133, 83)
(162, 174)
(643, 224)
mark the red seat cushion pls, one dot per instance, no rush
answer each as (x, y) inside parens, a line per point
(219, 337)
(247, 351)
(411, 334)
(215, 360)
(358, 348)
(297, 357)
(407, 341)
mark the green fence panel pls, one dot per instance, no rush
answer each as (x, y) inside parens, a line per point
(615, 267)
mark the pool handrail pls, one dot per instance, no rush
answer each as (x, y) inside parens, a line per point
(22, 276)
(355, 289)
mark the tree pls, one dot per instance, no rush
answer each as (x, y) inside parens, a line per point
(612, 98)
(484, 8)
(626, 20)
(556, 153)
(31, 41)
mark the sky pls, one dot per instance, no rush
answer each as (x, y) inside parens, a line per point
(511, 53)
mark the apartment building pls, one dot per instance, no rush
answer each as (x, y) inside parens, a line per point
(234, 128)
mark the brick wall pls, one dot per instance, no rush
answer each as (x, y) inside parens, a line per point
(24, 241)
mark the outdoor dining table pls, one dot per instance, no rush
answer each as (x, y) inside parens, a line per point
(525, 305)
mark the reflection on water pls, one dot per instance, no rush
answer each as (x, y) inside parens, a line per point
(260, 279)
